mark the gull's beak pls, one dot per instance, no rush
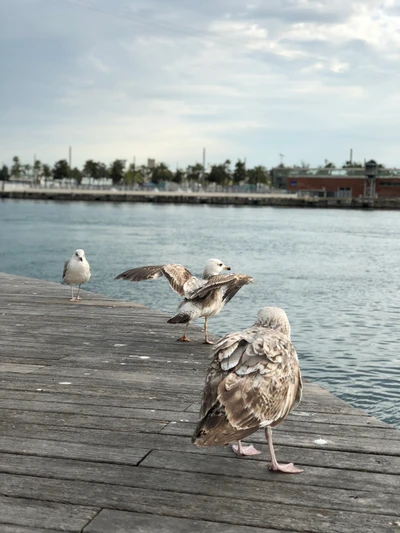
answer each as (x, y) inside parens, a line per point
(80, 258)
(227, 268)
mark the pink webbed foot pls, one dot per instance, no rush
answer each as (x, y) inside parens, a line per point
(287, 469)
(183, 339)
(208, 342)
(245, 450)
(73, 299)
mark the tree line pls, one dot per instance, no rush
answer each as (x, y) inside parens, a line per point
(121, 173)
(128, 174)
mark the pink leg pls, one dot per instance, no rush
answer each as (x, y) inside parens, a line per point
(79, 290)
(244, 450)
(184, 338)
(73, 299)
(206, 341)
(288, 468)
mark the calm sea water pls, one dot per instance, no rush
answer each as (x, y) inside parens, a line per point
(335, 272)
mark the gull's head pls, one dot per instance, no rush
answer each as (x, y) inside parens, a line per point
(213, 267)
(274, 318)
(79, 255)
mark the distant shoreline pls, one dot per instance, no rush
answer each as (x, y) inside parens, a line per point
(198, 198)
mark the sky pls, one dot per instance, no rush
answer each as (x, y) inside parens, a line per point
(164, 79)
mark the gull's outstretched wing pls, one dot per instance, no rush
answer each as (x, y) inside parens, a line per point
(231, 282)
(177, 275)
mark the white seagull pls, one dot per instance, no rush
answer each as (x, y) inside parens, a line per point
(203, 297)
(253, 383)
(76, 271)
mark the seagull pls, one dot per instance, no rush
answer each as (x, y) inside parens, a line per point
(76, 271)
(252, 383)
(202, 297)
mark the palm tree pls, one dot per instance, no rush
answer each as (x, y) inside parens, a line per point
(46, 172)
(26, 169)
(91, 170)
(16, 167)
(37, 167)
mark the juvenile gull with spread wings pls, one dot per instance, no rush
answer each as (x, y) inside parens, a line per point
(253, 382)
(76, 271)
(202, 297)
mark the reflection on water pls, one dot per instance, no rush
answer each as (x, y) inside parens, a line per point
(335, 272)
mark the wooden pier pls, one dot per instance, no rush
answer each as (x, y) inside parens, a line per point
(97, 405)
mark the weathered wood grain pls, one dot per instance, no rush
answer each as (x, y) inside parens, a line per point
(142, 407)
(131, 425)
(108, 521)
(236, 467)
(7, 528)
(95, 452)
(271, 488)
(116, 404)
(97, 405)
(123, 443)
(18, 368)
(373, 444)
(44, 514)
(218, 509)
(294, 426)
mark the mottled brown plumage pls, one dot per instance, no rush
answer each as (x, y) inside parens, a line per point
(252, 382)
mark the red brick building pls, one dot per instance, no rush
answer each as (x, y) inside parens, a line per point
(342, 183)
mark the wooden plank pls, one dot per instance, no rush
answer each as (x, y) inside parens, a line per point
(151, 424)
(16, 441)
(104, 406)
(271, 488)
(84, 389)
(27, 409)
(153, 421)
(18, 368)
(117, 404)
(44, 514)
(109, 521)
(86, 428)
(283, 435)
(157, 389)
(72, 450)
(218, 509)
(243, 467)
(125, 375)
(311, 406)
(7, 528)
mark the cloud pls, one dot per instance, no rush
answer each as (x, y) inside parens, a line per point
(153, 79)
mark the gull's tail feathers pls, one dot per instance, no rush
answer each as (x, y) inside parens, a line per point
(180, 318)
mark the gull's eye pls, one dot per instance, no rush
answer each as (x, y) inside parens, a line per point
(220, 265)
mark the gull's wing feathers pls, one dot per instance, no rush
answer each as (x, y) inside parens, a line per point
(235, 286)
(177, 275)
(261, 389)
(253, 381)
(230, 348)
(65, 269)
(232, 282)
(142, 273)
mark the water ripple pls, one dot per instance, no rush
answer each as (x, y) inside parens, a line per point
(336, 273)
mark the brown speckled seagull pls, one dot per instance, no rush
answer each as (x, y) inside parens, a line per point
(252, 383)
(203, 297)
